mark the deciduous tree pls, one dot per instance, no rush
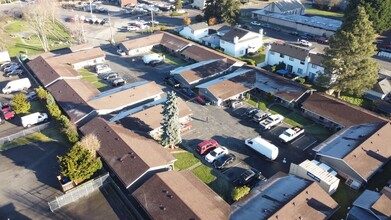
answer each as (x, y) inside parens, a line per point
(222, 10)
(231, 12)
(187, 20)
(170, 125)
(20, 104)
(349, 55)
(91, 143)
(79, 164)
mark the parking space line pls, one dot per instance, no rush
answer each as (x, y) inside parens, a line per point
(310, 145)
(297, 139)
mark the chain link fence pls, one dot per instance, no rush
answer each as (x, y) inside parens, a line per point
(25, 132)
(79, 192)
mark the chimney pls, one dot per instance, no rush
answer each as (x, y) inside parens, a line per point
(236, 39)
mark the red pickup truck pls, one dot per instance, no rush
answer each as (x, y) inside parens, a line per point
(7, 112)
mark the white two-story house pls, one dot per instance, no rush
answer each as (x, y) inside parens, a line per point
(297, 60)
(239, 42)
(195, 31)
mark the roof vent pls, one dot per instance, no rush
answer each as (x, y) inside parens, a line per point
(170, 196)
(371, 142)
(276, 216)
(307, 192)
(285, 194)
(132, 156)
(378, 134)
(293, 203)
(377, 150)
(300, 218)
(265, 210)
(162, 207)
(165, 191)
(354, 156)
(117, 139)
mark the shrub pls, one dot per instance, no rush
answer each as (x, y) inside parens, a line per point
(248, 61)
(186, 20)
(41, 93)
(199, 18)
(64, 121)
(20, 104)
(163, 28)
(50, 99)
(239, 192)
(71, 133)
(54, 110)
(301, 80)
(273, 69)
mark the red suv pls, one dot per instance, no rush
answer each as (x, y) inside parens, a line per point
(206, 146)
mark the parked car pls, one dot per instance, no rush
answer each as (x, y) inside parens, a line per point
(246, 27)
(7, 112)
(11, 68)
(133, 28)
(201, 99)
(271, 121)
(155, 62)
(223, 161)
(7, 64)
(206, 146)
(260, 115)
(33, 119)
(235, 104)
(118, 82)
(255, 23)
(188, 92)
(121, 52)
(17, 85)
(305, 43)
(109, 76)
(31, 96)
(216, 154)
(322, 40)
(249, 178)
(172, 82)
(17, 72)
(294, 33)
(102, 68)
(306, 36)
(250, 112)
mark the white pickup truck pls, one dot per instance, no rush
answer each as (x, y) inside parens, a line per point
(291, 133)
(271, 121)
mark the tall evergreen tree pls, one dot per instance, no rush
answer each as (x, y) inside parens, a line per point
(349, 55)
(79, 164)
(170, 125)
(231, 12)
(379, 12)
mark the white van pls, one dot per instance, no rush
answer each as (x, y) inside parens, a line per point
(17, 85)
(33, 119)
(152, 57)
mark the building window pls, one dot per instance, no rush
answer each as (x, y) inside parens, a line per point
(271, 52)
(314, 66)
(282, 55)
(301, 62)
(299, 70)
(291, 59)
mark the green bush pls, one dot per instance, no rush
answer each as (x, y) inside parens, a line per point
(239, 192)
(41, 93)
(20, 104)
(248, 61)
(301, 80)
(163, 28)
(72, 134)
(64, 121)
(273, 69)
(54, 111)
(50, 99)
(174, 13)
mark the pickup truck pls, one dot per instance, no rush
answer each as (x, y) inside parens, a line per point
(271, 121)
(291, 133)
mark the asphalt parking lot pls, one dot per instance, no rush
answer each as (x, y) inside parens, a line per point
(230, 127)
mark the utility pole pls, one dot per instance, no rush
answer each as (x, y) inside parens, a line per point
(91, 7)
(152, 20)
(111, 31)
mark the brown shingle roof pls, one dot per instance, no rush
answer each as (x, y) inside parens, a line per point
(150, 118)
(316, 59)
(80, 47)
(338, 111)
(79, 56)
(174, 42)
(69, 100)
(180, 195)
(126, 97)
(140, 42)
(231, 87)
(84, 89)
(383, 205)
(207, 70)
(289, 50)
(48, 71)
(128, 154)
(234, 32)
(310, 203)
(198, 53)
(372, 153)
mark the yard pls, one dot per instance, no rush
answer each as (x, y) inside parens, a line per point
(92, 78)
(185, 160)
(345, 197)
(23, 40)
(313, 11)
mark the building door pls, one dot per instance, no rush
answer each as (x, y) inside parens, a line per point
(289, 68)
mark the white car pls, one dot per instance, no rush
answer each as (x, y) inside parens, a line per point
(256, 23)
(133, 28)
(216, 153)
(305, 43)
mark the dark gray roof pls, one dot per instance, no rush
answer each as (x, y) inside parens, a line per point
(290, 50)
(234, 32)
(316, 59)
(287, 5)
(363, 207)
(198, 26)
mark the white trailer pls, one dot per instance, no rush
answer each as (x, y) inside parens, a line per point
(291, 133)
(17, 85)
(263, 147)
(33, 119)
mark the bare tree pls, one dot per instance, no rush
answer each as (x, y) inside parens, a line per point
(38, 18)
(91, 143)
(51, 7)
(78, 32)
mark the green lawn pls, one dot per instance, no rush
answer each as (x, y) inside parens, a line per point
(278, 109)
(92, 78)
(318, 131)
(185, 160)
(295, 119)
(173, 60)
(260, 58)
(47, 135)
(58, 38)
(204, 173)
(313, 11)
(345, 197)
(36, 106)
